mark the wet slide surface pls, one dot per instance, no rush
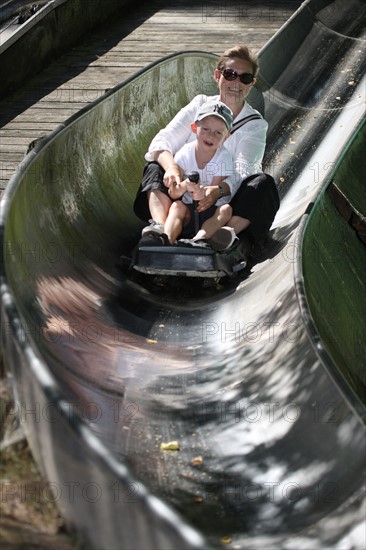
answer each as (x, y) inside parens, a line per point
(271, 446)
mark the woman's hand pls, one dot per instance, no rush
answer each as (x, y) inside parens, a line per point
(172, 175)
(212, 194)
(177, 190)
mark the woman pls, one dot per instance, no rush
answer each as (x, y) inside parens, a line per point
(254, 195)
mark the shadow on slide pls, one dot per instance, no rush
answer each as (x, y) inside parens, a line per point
(257, 380)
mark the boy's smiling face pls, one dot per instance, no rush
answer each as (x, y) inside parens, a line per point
(211, 132)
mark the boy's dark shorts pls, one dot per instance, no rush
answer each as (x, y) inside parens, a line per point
(189, 230)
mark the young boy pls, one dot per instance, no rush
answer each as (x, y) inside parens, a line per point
(214, 164)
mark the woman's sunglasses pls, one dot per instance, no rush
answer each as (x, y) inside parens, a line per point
(230, 74)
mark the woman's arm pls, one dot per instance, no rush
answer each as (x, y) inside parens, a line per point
(213, 193)
(247, 146)
(171, 138)
(172, 171)
(177, 132)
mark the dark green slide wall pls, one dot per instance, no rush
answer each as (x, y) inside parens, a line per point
(334, 264)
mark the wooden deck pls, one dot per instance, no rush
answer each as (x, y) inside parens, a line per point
(119, 50)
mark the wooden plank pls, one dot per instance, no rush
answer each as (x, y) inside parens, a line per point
(14, 144)
(20, 126)
(8, 158)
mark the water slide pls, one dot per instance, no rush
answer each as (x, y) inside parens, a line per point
(260, 380)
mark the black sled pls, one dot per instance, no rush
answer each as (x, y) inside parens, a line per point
(187, 261)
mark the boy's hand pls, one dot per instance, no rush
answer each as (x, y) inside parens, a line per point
(195, 189)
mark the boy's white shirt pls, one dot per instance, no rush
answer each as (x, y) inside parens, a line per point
(246, 144)
(221, 164)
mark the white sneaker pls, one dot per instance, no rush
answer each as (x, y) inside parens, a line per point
(154, 227)
(223, 238)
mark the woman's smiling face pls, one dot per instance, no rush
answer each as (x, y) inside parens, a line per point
(234, 91)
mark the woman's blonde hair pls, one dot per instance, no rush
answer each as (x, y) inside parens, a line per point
(239, 52)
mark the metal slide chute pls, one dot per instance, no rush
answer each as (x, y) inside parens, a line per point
(271, 443)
